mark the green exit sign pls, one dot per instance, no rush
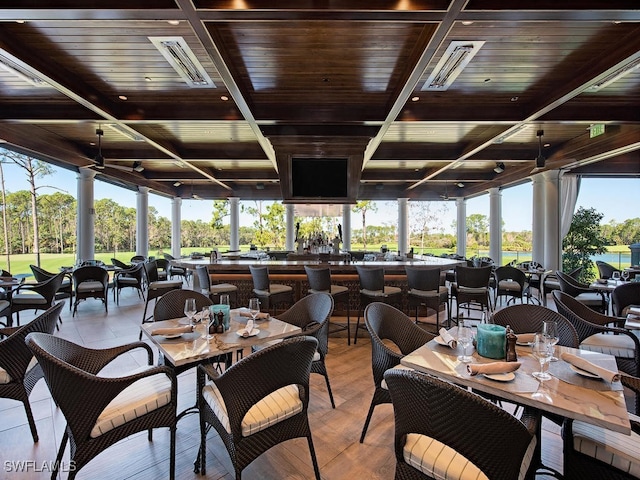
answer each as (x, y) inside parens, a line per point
(596, 129)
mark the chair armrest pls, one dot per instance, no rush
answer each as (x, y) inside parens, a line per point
(94, 360)
(8, 331)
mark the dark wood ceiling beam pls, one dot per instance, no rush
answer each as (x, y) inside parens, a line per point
(342, 130)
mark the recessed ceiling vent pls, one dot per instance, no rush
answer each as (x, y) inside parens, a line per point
(457, 55)
(176, 51)
(20, 71)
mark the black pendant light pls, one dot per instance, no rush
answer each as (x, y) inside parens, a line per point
(540, 159)
(99, 159)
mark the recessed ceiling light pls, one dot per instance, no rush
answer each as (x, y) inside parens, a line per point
(177, 184)
(122, 97)
(224, 98)
(415, 99)
(547, 145)
(467, 22)
(21, 21)
(514, 99)
(173, 22)
(147, 79)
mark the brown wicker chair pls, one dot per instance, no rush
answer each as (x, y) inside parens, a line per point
(284, 368)
(320, 281)
(18, 375)
(88, 400)
(155, 288)
(270, 294)
(596, 333)
(605, 270)
(128, 278)
(460, 422)
(426, 287)
(528, 318)
(373, 289)
(624, 296)
(40, 297)
(581, 292)
(90, 282)
(386, 322)
(511, 282)
(174, 270)
(614, 449)
(472, 286)
(312, 314)
(65, 290)
(549, 282)
(215, 290)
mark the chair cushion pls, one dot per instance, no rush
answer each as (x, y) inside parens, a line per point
(127, 281)
(138, 399)
(428, 293)
(441, 462)
(274, 288)
(613, 448)
(6, 378)
(383, 384)
(509, 285)
(275, 407)
(472, 290)
(90, 286)
(617, 345)
(161, 284)
(381, 293)
(222, 287)
(31, 298)
(335, 290)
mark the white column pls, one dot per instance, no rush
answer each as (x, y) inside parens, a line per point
(461, 226)
(142, 221)
(552, 242)
(86, 215)
(537, 221)
(234, 219)
(291, 230)
(403, 222)
(176, 226)
(346, 227)
(495, 225)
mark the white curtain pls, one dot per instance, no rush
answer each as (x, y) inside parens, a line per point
(569, 189)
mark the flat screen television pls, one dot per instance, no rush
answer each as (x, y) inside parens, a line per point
(319, 178)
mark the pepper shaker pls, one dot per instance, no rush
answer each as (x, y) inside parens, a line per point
(511, 339)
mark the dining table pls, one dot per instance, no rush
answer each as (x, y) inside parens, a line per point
(568, 393)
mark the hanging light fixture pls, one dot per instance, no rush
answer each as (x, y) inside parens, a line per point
(499, 168)
(540, 159)
(137, 167)
(99, 159)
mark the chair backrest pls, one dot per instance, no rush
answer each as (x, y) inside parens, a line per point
(505, 439)
(168, 257)
(582, 317)
(473, 277)
(40, 274)
(118, 263)
(530, 318)
(15, 356)
(162, 264)
(569, 284)
(625, 295)
(48, 288)
(5, 273)
(90, 273)
(171, 304)
(203, 278)
(319, 278)
(423, 278)
(136, 271)
(512, 273)
(312, 313)
(150, 271)
(371, 278)
(138, 259)
(260, 277)
(605, 270)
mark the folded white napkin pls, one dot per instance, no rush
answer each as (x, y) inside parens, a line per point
(202, 315)
(492, 367)
(448, 338)
(172, 330)
(526, 337)
(587, 366)
(260, 316)
(247, 330)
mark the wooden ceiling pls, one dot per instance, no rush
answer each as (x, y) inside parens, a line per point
(323, 79)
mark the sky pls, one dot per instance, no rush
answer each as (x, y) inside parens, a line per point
(617, 199)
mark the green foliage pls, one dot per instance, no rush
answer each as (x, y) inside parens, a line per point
(362, 207)
(583, 240)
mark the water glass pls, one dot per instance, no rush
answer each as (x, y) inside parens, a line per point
(541, 349)
(465, 338)
(254, 308)
(550, 330)
(190, 309)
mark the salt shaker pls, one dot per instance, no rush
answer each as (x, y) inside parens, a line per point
(512, 356)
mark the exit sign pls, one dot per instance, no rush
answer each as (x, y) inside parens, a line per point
(596, 129)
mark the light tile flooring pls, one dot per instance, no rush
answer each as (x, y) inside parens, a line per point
(335, 431)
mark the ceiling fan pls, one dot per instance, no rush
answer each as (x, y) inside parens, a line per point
(99, 160)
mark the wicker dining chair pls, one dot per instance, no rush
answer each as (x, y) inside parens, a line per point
(66, 288)
(259, 402)
(19, 373)
(606, 270)
(445, 431)
(102, 410)
(581, 292)
(90, 282)
(155, 288)
(472, 286)
(214, 290)
(320, 281)
(426, 287)
(596, 333)
(388, 324)
(131, 277)
(270, 294)
(591, 451)
(511, 282)
(35, 296)
(625, 296)
(176, 271)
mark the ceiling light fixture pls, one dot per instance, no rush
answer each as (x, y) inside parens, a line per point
(540, 159)
(259, 186)
(510, 133)
(499, 168)
(137, 167)
(460, 185)
(457, 55)
(616, 75)
(123, 131)
(176, 51)
(99, 159)
(177, 184)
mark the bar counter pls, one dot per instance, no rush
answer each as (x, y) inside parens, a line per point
(291, 272)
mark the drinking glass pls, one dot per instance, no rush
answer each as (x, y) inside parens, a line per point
(224, 299)
(625, 275)
(210, 323)
(550, 330)
(190, 309)
(465, 338)
(615, 275)
(254, 308)
(541, 350)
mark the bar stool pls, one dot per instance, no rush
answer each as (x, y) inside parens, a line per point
(269, 294)
(213, 291)
(373, 289)
(426, 287)
(320, 282)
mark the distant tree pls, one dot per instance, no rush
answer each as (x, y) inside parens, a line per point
(478, 227)
(426, 217)
(583, 241)
(362, 207)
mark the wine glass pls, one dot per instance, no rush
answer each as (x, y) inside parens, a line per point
(625, 275)
(615, 275)
(541, 350)
(550, 330)
(254, 308)
(465, 337)
(210, 323)
(190, 309)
